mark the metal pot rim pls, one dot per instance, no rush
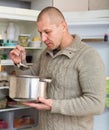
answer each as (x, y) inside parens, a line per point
(27, 76)
(37, 77)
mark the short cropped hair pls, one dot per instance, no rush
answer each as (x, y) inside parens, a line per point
(54, 14)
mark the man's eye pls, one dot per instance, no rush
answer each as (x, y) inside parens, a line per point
(47, 32)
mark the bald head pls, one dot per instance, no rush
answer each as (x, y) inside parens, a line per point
(54, 14)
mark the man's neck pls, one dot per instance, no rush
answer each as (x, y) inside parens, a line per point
(56, 50)
(67, 42)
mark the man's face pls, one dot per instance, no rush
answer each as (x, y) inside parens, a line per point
(51, 34)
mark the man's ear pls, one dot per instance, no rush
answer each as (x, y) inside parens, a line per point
(64, 25)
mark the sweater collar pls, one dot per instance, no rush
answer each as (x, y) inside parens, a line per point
(70, 50)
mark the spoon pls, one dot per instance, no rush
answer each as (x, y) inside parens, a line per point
(21, 65)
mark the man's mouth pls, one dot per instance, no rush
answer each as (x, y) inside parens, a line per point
(48, 44)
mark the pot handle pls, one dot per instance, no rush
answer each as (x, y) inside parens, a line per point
(46, 80)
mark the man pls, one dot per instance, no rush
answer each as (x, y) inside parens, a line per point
(77, 90)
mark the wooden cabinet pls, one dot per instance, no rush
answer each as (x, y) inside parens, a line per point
(66, 5)
(71, 5)
(98, 4)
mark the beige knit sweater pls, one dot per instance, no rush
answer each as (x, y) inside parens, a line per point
(77, 88)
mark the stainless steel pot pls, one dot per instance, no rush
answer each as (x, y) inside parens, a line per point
(27, 87)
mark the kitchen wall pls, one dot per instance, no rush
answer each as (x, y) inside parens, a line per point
(103, 50)
(94, 32)
(101, 122)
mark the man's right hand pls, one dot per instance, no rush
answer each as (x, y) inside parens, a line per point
(15, 54)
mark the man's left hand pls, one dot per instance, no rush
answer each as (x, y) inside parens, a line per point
(43, 104)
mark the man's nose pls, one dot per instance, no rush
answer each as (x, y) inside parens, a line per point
(44, 37)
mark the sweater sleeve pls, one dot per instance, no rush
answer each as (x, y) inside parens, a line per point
(92, 82)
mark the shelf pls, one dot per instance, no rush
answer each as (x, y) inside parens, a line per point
(88, 24)
(18, 14)
(12, 108)
(4, 87)
(11, 47)
(92, 17)
(9, 62)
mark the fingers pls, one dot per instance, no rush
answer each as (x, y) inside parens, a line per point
(15, 54)
(45, 101)
(39, 106)
(45, 104)
(31, 104)
(20, 51)
(20, 48)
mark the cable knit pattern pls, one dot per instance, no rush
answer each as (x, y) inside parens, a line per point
(77, 88)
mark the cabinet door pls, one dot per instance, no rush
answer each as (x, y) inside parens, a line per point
(71, 5)
(66, 5)
(40, 4)
(98, 4)
(16, 3)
